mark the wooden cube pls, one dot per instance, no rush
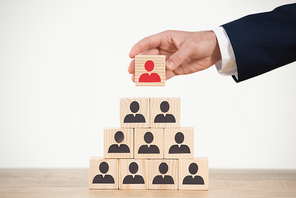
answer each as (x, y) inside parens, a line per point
(179, 143)
(118, 143)
(193, 174)
(133, 174)
(150, 70)
(148, 143)
(163, 174)
(134, 113)
(103, 173)
(165, 112)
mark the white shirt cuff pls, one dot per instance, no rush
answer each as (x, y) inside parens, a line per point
(227, 66)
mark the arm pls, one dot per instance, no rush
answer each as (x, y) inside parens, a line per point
(263, 42)
(226, 66)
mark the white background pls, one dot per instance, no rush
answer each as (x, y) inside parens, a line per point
(63, 68)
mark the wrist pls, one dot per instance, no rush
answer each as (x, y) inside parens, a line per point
(227, 65)
(216, 52)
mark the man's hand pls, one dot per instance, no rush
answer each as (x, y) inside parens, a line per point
(186, 52)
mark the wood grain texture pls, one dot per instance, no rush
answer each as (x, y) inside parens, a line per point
(139, 143)
(64, 183)
(170, 135)
(159, 68)
(125, 110)
(155, 110)
(127, 142)
(94, 170)
(202, 174)
(141, 172)
(154, 171)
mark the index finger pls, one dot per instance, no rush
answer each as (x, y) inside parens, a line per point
(145, 44)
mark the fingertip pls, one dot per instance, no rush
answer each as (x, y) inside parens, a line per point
(131, 67)
(145, 44)
(133, 77)
(131, 54)
(169, 74)
(136, 49)
(170, 65)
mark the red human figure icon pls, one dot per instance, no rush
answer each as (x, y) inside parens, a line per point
(146, 77)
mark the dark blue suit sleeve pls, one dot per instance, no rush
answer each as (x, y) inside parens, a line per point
(263, 42)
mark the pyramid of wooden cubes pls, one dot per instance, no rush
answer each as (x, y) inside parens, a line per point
(150, 150)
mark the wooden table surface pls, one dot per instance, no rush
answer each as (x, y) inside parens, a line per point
(74, 183)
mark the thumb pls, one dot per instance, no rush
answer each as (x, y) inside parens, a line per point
(176, 59)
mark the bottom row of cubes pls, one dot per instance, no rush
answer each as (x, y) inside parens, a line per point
(183, 174)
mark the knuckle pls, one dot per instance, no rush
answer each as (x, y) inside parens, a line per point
(167, 31)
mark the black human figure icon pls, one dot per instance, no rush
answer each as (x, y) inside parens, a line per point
(148, 149)
(134, 117)
(164, 118)
(179, 148)
(163, 179)
(101, 178)
(122, 148)
(191, 179)
(136, 179)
